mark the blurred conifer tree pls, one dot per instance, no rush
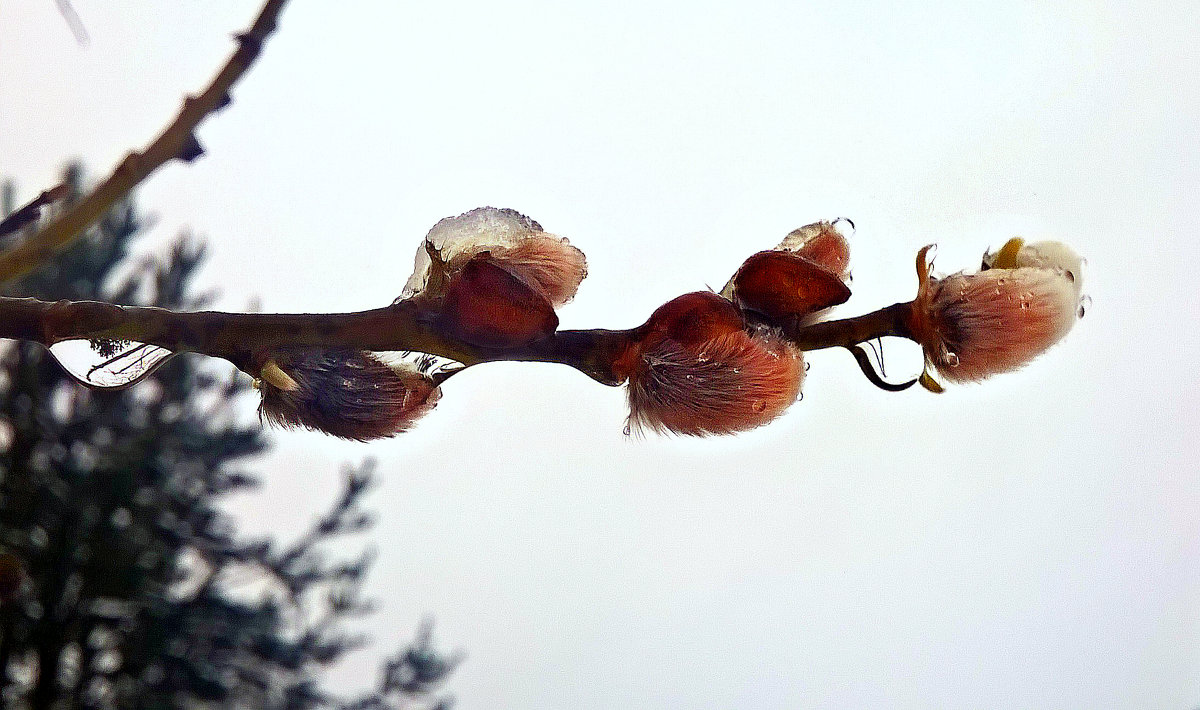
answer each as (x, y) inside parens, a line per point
(122, 582)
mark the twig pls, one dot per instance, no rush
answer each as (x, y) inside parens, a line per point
(177, 141)
(32, 211)
(72, 19)
(248, 339)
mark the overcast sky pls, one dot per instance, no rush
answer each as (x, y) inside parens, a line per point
(1031, 542)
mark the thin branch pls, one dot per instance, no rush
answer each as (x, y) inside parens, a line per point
(848, 332)
(177, 141)
(72, 19)
(248, 339)
(32, 211)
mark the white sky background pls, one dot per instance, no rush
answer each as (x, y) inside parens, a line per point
(1031, 542)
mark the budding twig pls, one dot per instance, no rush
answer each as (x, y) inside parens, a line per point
(177, 141)
(248, 339)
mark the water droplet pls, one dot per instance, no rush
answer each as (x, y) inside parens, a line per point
(1024, 305)
(950, 359)
(807, 365)
(1084, 304)
(424, 363)
(1070, 276)
(108, 363)
(759, 406)
(628, 430)
(844, 226)
(800, 398)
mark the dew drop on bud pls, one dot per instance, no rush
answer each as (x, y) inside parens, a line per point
(628, 430)
(950, 359)
(109, 364)
(844, 226)
(759, 406)
(1084, 304)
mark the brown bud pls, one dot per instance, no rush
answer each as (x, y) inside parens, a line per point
(489, 306)
(780, 285)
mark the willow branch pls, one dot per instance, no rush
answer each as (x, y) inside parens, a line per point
(248, 339)
(848, 332)
(177, 141)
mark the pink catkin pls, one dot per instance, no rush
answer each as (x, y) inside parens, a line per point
(512, 241)
(822, 244)
(973, 326)
(732, 382)
(547, 262)
(346, 393)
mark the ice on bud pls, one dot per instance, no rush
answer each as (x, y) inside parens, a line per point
(695, 369)
(514, 242)
(972, 326)
(346, 393)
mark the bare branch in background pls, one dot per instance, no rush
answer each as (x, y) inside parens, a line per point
(177, 141)
(32, 211)
(67, 10)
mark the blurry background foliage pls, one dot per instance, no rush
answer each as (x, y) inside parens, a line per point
(128, 585)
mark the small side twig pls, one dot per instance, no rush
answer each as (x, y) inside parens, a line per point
(177, 141)
(32, 211)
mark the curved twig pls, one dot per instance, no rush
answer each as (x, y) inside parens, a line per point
(864, 363)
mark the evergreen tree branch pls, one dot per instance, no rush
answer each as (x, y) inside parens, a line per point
(177, 141)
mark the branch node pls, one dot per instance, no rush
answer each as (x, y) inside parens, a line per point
(191, 149)
(249, 42)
